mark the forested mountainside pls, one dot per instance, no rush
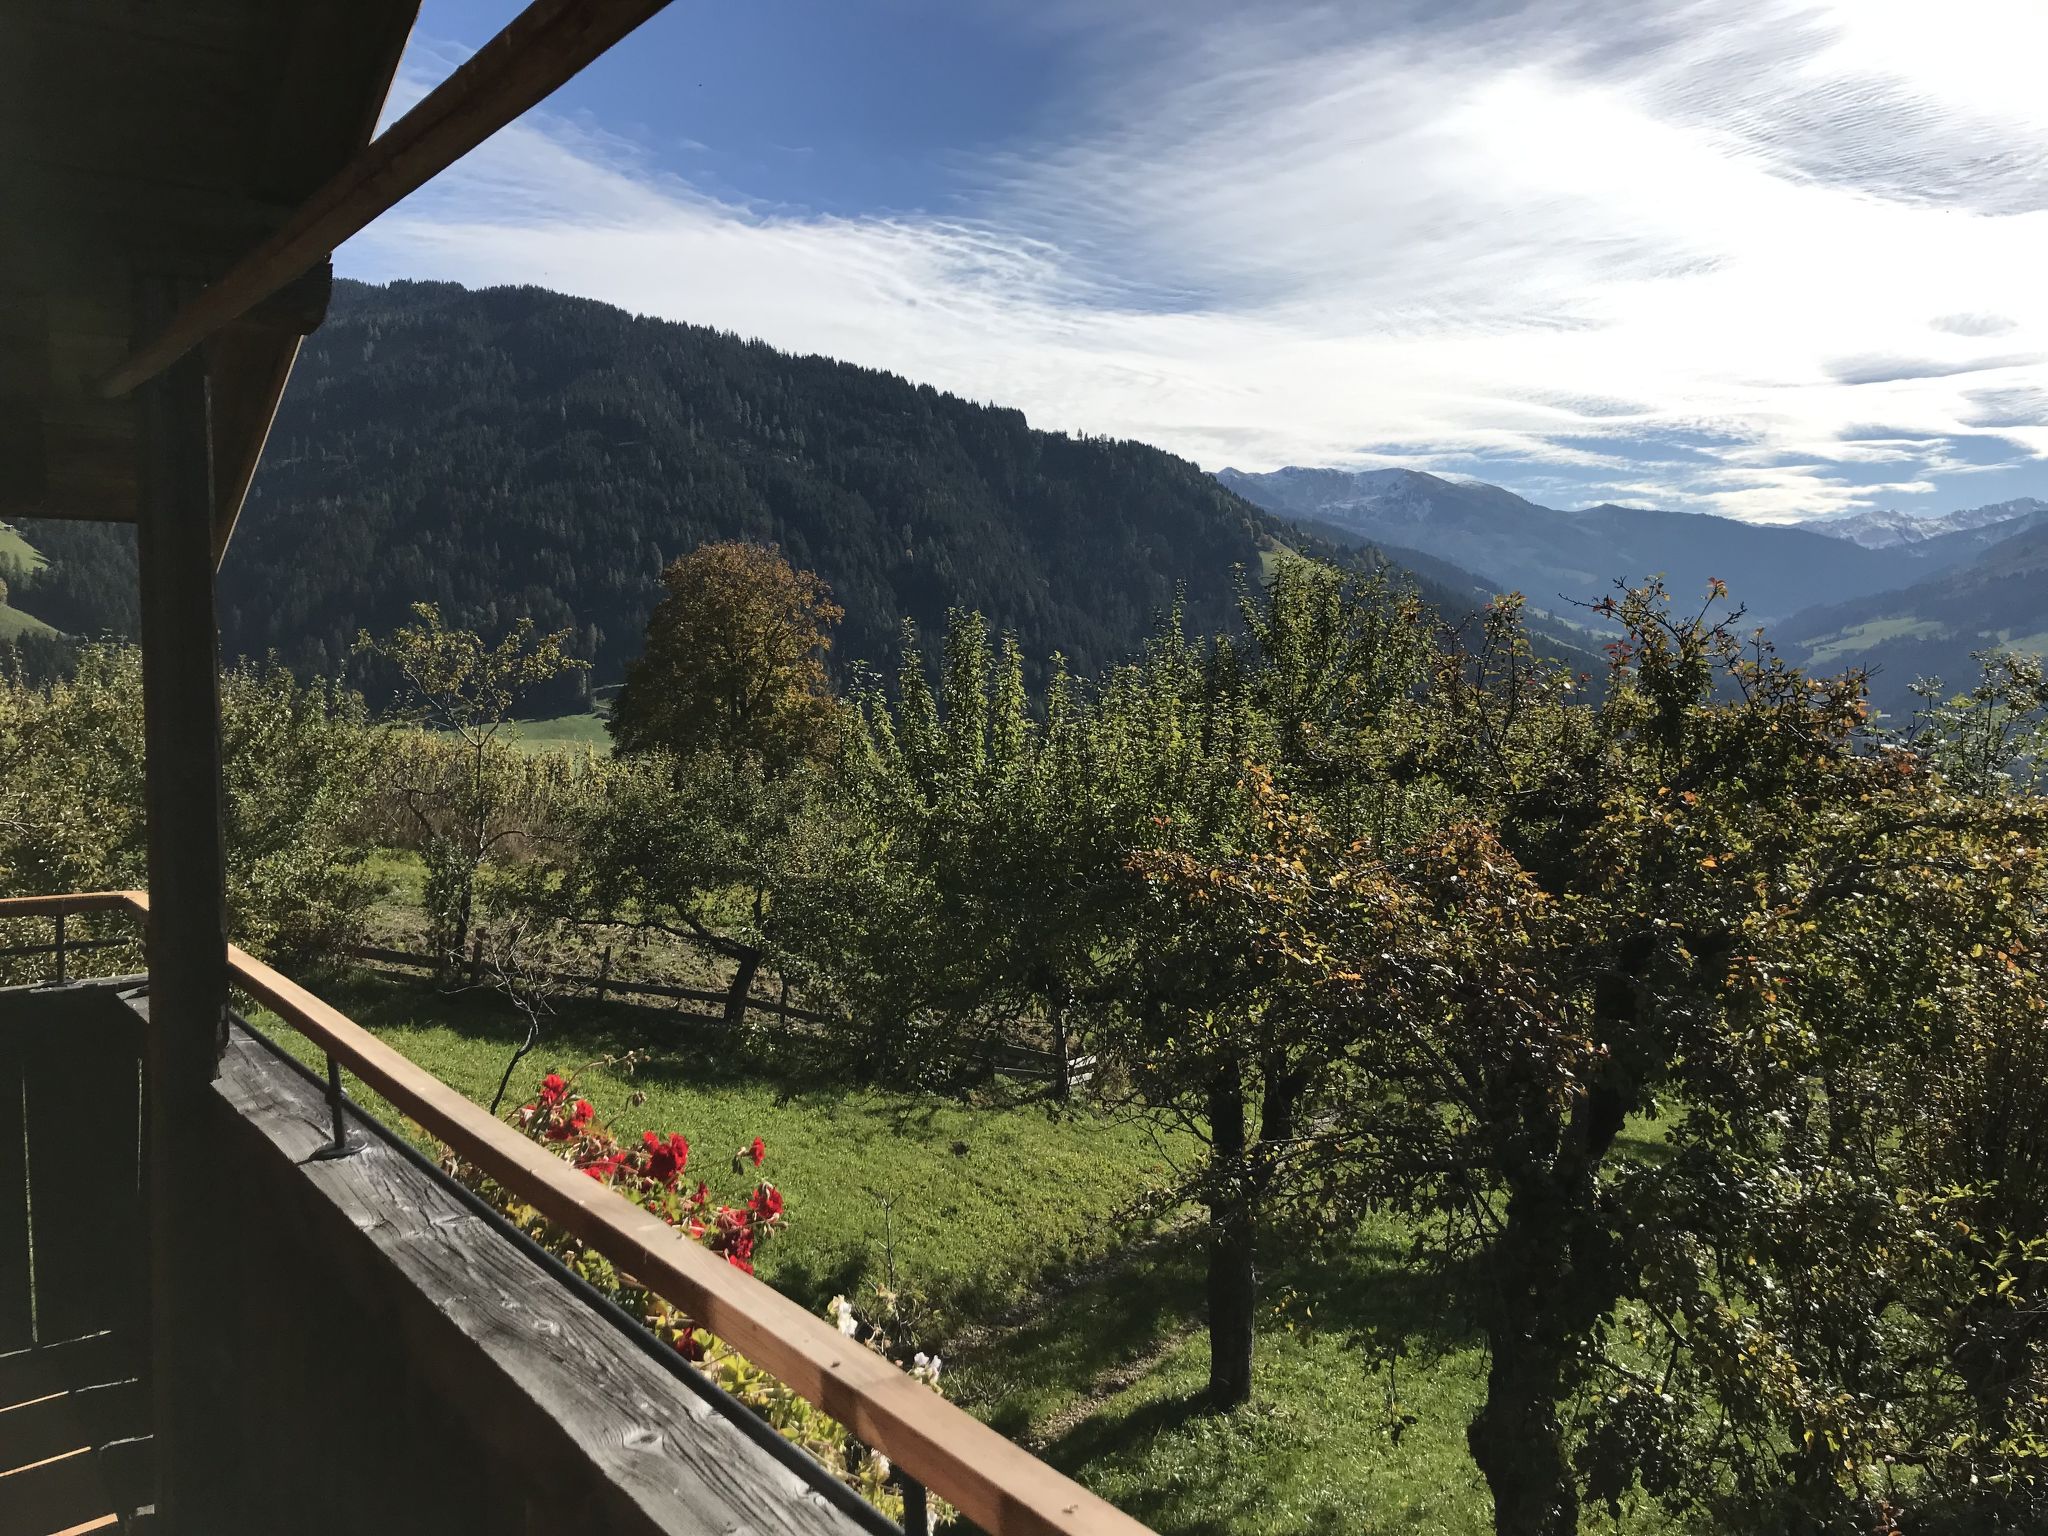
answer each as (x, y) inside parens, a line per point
(1556, 557)
(514, 452)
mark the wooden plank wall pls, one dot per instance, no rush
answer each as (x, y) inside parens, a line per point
(70, 1127)
(73, 1289)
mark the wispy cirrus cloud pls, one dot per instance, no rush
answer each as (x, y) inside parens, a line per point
(1650, 252)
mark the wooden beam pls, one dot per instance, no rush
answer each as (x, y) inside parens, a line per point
(187, 925)
(546, 45)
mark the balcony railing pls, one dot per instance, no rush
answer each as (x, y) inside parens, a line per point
(996, 1484)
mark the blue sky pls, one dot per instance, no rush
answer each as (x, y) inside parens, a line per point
(1772, 258)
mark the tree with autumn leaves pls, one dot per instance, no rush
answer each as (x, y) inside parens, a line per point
(734, 661)
(1643, 1032)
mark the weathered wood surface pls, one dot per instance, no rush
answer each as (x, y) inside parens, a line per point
(379, 1295)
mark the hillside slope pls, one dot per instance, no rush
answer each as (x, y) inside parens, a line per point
(20, 564)
(516, 452)
(1930, 628)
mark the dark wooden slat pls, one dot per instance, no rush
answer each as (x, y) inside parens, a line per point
(54, 1426)
(53, 1497)
(187, 927)
(89, 1362)
(541, 48)
(128, 1473)
(81, 1065)
(17, 1329)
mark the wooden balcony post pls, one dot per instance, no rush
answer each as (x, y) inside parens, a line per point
(187, 929)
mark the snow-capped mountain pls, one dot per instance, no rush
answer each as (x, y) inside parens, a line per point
(1886, 527)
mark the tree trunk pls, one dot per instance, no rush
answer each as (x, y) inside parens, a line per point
(745, 964)
(1233, 1272)
(1517, 1438)
(1518, 1443)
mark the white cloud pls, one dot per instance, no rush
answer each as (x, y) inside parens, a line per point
(1559, 234)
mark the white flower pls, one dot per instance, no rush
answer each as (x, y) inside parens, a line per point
(842, 1309)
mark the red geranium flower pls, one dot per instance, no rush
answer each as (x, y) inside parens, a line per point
(666, 1159)
(758, 1151)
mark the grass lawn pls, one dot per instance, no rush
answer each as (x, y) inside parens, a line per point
(584, 730)
(17, 552)
(1861, 637)
(981, 1203)
(14, 622)
(1105, 1383)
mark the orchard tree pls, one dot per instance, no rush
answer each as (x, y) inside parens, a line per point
(698, 849)
(734, 662)
(295, 767)
(1002, 878)
(1670, 906)
(465, 690)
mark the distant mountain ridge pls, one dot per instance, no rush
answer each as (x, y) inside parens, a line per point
(1902, 607)
(1885, 527)
(1559, 557)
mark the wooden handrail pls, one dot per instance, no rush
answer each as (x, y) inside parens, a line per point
(997, 1484)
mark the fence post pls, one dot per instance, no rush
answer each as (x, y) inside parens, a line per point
(63, 972)
(604, 972)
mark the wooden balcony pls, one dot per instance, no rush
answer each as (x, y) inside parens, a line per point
(377, 1351)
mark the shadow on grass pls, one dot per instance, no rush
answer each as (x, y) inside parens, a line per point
(1062, 1375)
(1028, 1373)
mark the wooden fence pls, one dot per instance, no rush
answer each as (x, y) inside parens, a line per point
(1006, 1057)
